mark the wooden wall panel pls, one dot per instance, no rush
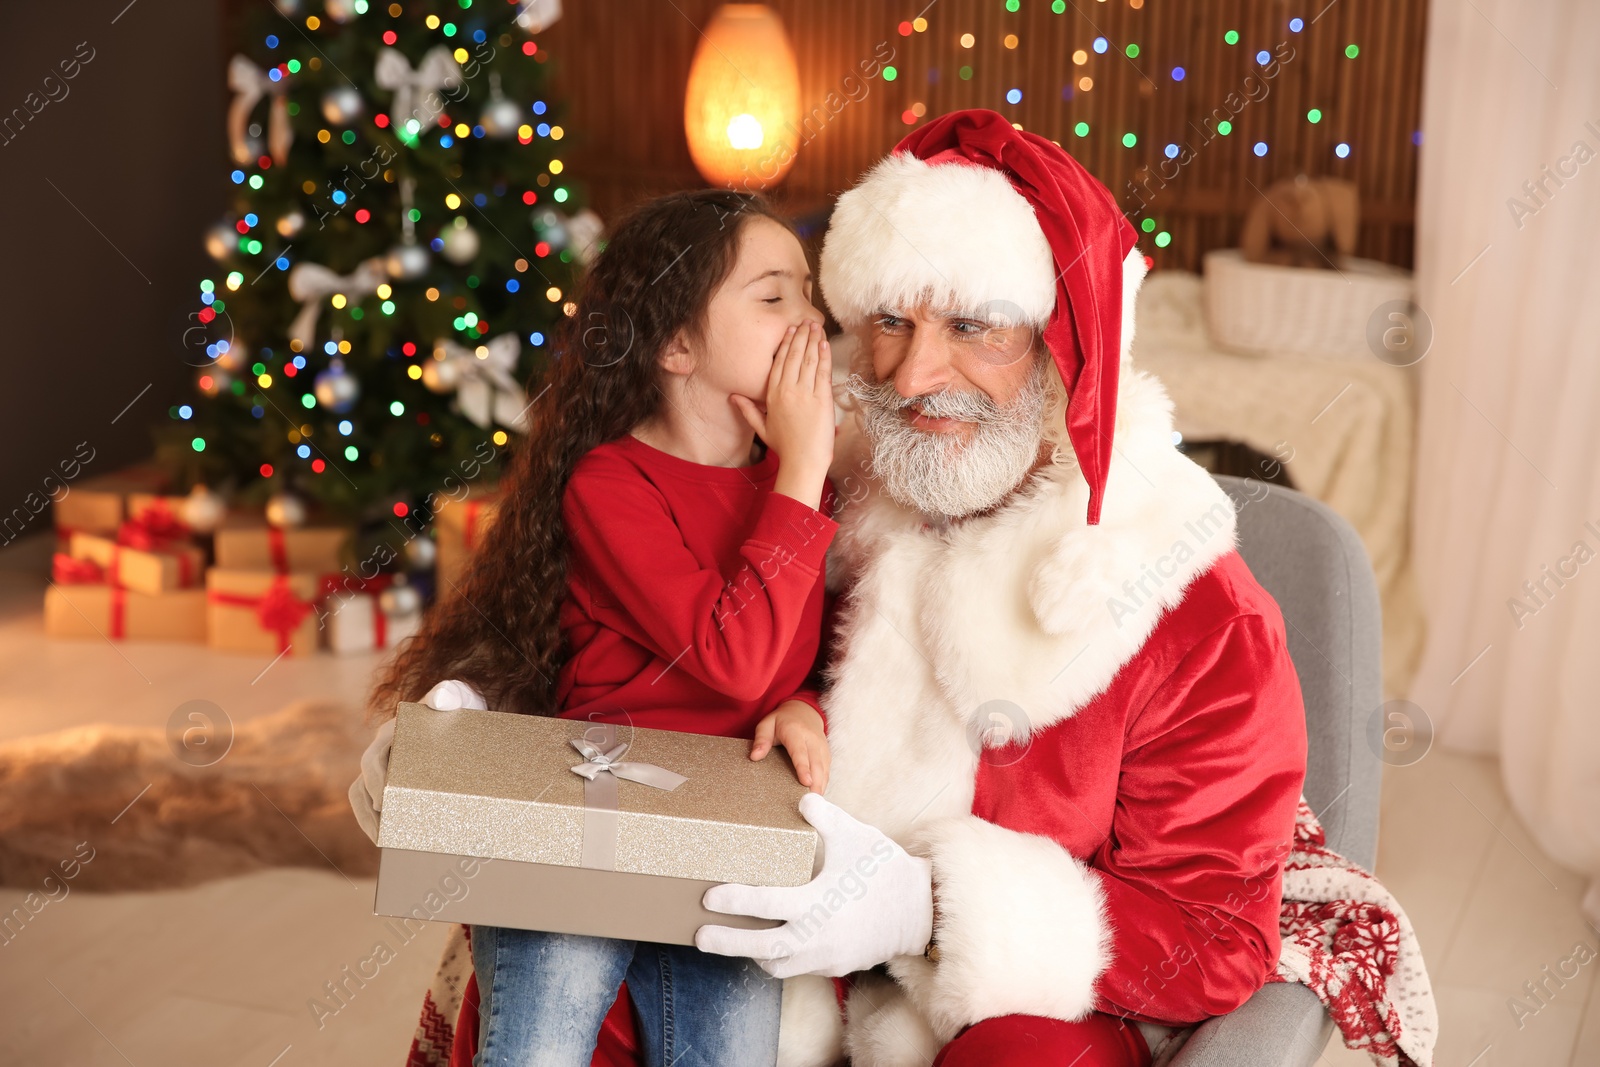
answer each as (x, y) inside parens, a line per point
(622, 65)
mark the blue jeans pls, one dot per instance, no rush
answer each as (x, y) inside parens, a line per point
(542, 998)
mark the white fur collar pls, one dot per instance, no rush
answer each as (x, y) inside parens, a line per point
(1030, 606)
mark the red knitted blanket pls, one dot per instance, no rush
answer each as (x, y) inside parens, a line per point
(1347, 939)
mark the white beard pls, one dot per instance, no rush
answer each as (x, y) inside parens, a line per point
(940, 474)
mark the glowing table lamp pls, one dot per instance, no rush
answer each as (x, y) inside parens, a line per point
(742, 107)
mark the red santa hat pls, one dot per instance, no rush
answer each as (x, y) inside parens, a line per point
(967, 210)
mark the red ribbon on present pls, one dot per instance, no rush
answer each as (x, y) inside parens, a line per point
(155, 530)
(469, 527)
(277, 610)
(68, 571)
(119, 611)
(160, 522)
(334, 583)
(349, 583)
(278, 549)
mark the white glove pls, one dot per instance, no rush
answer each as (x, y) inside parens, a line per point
(366, 792)
(872, 901)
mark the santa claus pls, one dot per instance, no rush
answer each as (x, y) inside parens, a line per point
(1067, 737)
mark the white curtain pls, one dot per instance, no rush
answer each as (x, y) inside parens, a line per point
(1508, 469)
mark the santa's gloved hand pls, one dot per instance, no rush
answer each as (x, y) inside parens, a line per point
(872, 901)
(366, 792)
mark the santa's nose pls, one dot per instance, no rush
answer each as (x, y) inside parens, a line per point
(926, 367)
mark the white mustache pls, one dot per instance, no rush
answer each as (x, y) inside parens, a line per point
(965, 405)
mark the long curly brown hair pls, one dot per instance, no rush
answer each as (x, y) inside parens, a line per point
(654, 278)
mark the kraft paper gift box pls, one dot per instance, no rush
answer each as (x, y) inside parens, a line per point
(80, 603)
(606, 855)
(356, 622)
(260, 611)
(143, 565)
(98, 504)
(459, 526)
(249, 543)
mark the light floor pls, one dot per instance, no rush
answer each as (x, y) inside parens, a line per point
(226, 973)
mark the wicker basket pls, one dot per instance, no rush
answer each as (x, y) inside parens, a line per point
(1263, 309)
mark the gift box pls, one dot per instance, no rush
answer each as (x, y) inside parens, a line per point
(261, 611)
(80, 603)
(99, 504)
(135, 560)
(356, 622)
(610, 831)
(459, 526)
(249, 543)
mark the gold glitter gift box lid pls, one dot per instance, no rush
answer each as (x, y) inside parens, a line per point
(500, 786)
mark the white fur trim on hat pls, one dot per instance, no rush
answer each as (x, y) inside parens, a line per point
(956, 234)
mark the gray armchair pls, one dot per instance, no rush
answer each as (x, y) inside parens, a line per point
(1314, 565)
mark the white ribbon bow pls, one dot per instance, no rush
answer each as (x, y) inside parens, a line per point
(643, 773)
(311, 283)
(536, 16)
(487, 390)
(436, 71)
(583, 231)
(249, 84)
(598, 850)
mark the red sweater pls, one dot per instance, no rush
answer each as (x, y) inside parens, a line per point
(695, 594)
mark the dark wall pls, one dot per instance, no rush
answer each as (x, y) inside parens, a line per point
(105, 194)
(624, 144)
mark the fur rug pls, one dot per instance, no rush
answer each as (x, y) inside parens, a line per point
(276, 799)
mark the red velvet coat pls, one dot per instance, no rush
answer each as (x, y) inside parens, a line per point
(1094, 732)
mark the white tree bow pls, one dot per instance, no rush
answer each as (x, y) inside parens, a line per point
(249, 84)
(436, 71)
(488, 391)
(583, 231)
(312, 283)
(536, 16)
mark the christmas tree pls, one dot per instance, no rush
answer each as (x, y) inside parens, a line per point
(401, 245)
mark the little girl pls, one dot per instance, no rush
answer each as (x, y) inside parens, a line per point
(674, 486)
